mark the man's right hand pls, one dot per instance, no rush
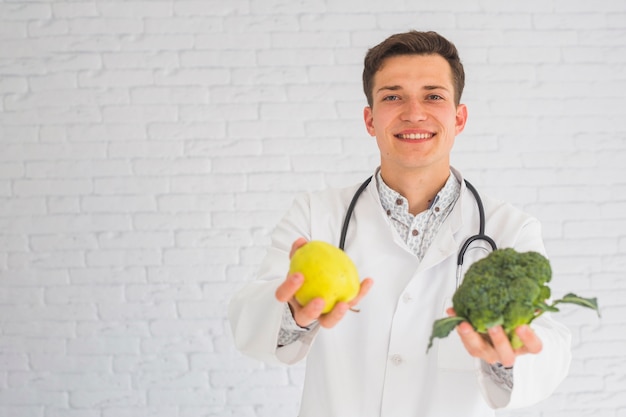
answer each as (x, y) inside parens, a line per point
(305, 315)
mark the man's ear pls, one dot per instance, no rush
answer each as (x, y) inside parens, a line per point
(368, 117)
(461, 118)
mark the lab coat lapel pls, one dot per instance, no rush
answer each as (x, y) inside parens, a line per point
(446, 243)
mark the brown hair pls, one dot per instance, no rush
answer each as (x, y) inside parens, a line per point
(409, 43)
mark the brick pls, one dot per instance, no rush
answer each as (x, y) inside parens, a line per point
(120, 258)
(150, 363)
(42, 362)
(107, 26)
(164, 222)
(194, 203)
(163, 292)
(210, 7)
(168, 95)
(115, 78)
(148, 9)
(62, 242)
(117, 203)
(163, 397)
(140, 411)
(25, 396)
(77, 168)
(214, 113)
(14, 30)
(198, 256)
(83, 294)
(106, 398)
(102, 346)
(70, 381)
(164, 345)
(138, 60)
(45, 260)
(51, 151)
(137, 311)
(14, 362)
(269, 76)
(108, 275)
(270, 130)
(221, 59)
(13, 243)
(18, 11)
(336, 22)
(135, 239)
(214, 183)
(188, 24)
(130, 185)
(113, 329)
(13, 85)
(171, 380)
(186, 274)
(160, 42)
(72, 10)
(65, 412)
(230, 41)
(188, 166)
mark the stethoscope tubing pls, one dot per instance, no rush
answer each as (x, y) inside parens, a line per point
(481, 225)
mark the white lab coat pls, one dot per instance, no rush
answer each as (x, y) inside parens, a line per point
(374, 362)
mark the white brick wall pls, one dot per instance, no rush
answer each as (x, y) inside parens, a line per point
(147, 149)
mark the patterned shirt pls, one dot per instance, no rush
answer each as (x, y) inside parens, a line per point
(420, 230)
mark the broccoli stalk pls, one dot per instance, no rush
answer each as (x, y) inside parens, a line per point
(506, 288)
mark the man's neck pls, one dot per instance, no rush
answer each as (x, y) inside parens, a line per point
(419, 187)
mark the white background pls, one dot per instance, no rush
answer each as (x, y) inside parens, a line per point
(148, 148)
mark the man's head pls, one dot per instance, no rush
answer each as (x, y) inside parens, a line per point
(413, 43)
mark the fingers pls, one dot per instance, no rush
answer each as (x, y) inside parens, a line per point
(532, 343)
(335, 315)
(296, 245)
(305, 315)
(504, 353)
(475, 344)
(496, 348)
(366, 284)
(288, 288)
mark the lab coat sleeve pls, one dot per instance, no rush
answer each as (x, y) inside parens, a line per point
(254, 313)
(535, 376)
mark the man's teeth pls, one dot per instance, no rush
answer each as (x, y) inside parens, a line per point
(416, 136)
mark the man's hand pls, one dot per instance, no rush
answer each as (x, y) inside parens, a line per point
(497, 348)
(305, 315)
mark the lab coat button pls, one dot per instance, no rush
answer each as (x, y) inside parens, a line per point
(407, 297)
(396, 359)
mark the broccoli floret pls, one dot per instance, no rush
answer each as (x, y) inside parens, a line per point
(507, 288)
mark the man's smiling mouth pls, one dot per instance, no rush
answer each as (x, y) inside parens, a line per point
(415, 136)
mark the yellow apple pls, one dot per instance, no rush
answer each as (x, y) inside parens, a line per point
(328, 273)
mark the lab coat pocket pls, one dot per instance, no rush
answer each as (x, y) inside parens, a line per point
(451, 353)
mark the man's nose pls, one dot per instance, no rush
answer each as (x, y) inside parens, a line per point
(413, 111)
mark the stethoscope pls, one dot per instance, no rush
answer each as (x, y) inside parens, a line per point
(481, 228)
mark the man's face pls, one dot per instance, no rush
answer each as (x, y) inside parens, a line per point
(413, 114)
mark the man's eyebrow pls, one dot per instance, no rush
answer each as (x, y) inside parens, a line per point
(389, 87)
(435, 87)
(397, 87)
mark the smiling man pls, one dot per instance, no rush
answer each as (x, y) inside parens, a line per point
(409, 221)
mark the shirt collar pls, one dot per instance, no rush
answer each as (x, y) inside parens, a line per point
(397, 205)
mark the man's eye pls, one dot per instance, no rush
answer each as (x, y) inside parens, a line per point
(391, 98)
(435, 97)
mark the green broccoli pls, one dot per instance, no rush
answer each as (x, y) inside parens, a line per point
(506, 288)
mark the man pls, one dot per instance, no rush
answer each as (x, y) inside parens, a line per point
(406, 230)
